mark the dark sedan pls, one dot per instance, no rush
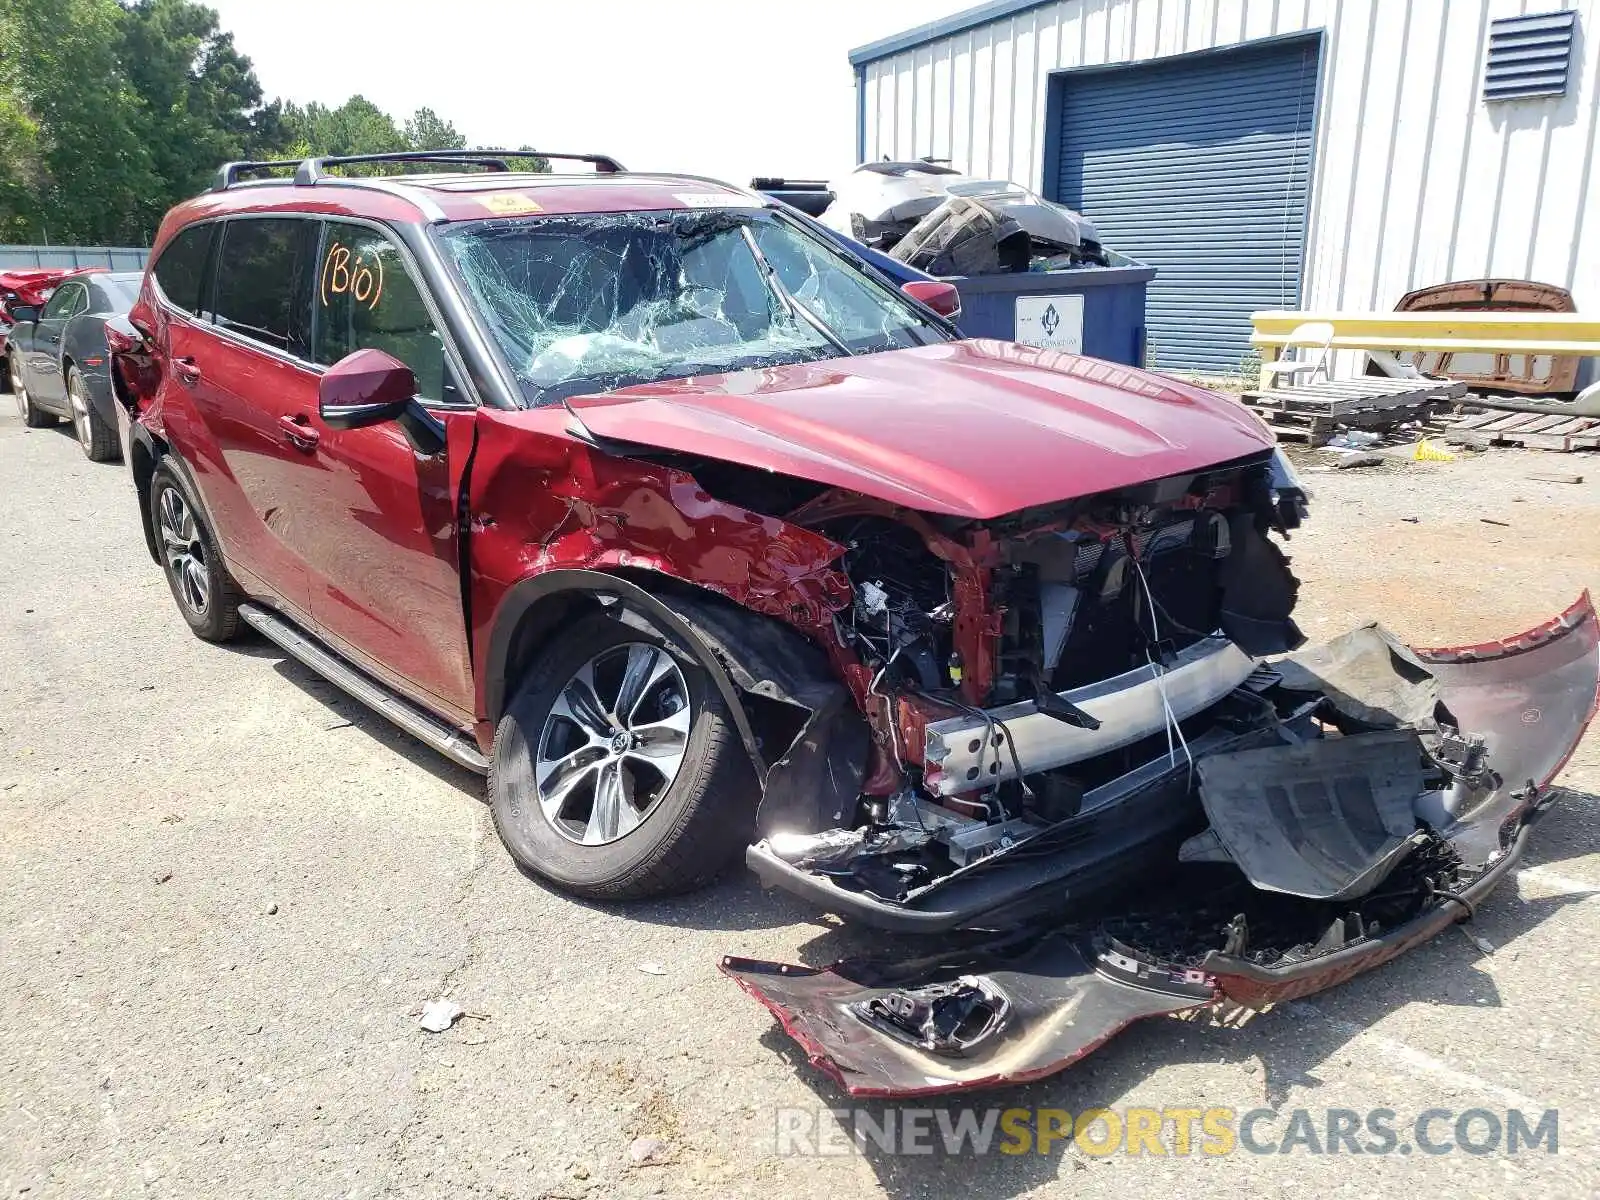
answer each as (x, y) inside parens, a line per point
(57, 360)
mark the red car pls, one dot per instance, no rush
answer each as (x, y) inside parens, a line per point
(28, 287)
(645, 497)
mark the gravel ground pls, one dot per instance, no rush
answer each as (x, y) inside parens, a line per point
(228, 891)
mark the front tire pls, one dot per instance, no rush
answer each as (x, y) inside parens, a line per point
(32, 415)
(206, 595)
(617, 772)
(98, 440)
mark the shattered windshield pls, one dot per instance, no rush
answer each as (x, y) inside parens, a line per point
(581, 304)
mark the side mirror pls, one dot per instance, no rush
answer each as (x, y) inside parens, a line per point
(364, 388)
(942, 297)
(24, 312)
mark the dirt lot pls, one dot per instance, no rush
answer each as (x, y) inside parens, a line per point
(228, 890)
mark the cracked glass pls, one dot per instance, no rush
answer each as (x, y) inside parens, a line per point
(585, 304)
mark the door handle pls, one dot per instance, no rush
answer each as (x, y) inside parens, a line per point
(53, 340)
(186, 370)
(297, 432)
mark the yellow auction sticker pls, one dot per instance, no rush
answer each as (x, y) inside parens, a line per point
(509, 204)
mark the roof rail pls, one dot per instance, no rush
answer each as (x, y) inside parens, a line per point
(228, 173)
(313, 169)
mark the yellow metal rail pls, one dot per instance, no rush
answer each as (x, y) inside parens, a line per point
(1485, 332)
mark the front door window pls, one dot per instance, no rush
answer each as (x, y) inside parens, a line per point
(365, 298)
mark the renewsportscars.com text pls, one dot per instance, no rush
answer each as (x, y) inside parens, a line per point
(1212, 1131)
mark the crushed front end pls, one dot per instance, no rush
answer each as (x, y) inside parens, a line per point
(1105, 771)
(1039, 688)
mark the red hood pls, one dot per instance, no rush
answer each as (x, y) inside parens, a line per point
(974, 429)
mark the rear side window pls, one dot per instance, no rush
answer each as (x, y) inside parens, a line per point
(69, 300)
(181, 269)
(114, 295)
(259, 277)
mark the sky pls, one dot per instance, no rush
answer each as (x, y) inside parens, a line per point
(721, 88)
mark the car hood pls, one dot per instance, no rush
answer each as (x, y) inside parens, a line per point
(973, 429)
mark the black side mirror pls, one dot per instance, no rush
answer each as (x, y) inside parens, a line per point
(24, 312)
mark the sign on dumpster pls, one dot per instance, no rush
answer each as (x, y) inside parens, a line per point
(1051, 322)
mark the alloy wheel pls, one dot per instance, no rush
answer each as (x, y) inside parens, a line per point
(80, 410)
(185, 552)
(19, 390)
(613, 743)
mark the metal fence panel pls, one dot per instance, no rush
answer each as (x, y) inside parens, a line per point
(116, 258)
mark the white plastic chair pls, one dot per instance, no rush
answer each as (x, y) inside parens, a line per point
(1313, 335)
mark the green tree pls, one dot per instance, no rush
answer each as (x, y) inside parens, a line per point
(202, 101)
(427, 130)
(21, 169)
(111, 112)
(72, 114)
(529, 161)
(358, 126)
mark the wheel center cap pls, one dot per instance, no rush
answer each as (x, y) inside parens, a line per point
(621, 742)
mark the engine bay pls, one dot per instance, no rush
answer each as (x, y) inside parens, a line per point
(981, 651)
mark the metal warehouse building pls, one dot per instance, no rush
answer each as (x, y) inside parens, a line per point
(1323, 154)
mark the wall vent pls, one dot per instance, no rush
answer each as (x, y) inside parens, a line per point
(1529, 56)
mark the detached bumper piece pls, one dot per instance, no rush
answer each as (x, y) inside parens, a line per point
(1326, 848)
(1036, 1010)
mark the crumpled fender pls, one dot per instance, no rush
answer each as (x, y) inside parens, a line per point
(536, 500)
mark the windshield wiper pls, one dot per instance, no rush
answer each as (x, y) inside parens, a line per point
(790, 302)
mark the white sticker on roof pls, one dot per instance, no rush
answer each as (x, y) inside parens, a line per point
(509, 204)
(706, 199)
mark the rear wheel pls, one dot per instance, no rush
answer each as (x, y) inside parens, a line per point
(98, 440)
(32, 415)
(617, 772)
(206, 596)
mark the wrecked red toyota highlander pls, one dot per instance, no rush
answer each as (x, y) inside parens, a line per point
(647, 497)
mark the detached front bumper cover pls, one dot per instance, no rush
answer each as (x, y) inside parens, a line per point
(1016, 1007)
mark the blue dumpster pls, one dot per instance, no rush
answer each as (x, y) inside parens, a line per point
(1098, 311)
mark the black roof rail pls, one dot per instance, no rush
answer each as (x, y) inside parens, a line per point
(228, 173)
(313, 169)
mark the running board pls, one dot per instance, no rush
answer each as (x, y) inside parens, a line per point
(426, 728)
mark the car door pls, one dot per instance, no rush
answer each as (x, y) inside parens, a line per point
(45, 382)
(252, 388)
(383, 558)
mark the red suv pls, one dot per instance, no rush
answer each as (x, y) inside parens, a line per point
(646, 496)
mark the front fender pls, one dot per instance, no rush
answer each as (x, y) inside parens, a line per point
(539, 501)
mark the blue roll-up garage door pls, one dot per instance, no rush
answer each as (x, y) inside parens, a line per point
(1199, 165)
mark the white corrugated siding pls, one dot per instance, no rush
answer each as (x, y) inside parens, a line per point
(1416, 180)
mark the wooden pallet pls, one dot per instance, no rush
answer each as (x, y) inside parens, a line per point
(1345, 397)
(1540, 431)
(1313, 413)
(1316, 430)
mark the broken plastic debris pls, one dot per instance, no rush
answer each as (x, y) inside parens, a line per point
(651, 968)
(646, 1150)
(439, 1015)
(1483, 944)
(1353, 439)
